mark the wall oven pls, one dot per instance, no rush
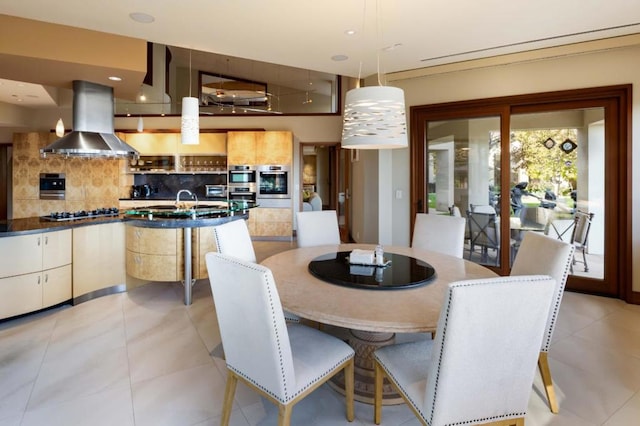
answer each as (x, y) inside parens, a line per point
(274, 181)
(242, 192)
(52, 186)
(242, 175)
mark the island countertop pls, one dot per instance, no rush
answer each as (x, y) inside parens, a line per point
(35, 225)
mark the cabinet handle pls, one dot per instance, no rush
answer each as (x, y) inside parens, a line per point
(38, 241)
(46, 278)
(46, 240)
(38, 279)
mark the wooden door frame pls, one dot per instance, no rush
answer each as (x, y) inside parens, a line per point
(617, 103)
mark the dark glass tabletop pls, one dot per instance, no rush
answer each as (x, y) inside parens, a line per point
(402, 272)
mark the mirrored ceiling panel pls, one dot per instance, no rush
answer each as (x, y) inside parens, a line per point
(227, 85)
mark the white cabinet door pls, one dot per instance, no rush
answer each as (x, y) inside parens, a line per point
(20, 255)
(56, 286)
(20, 294)
(56, 249)
(98, 257)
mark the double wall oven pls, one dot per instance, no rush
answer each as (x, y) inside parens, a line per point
(274, 181)
(242, 183)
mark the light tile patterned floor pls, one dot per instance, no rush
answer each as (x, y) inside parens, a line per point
(144, 358)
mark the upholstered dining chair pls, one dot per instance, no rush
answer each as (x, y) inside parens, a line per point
(317, 228)
(481, 365)
(233, 239)
(441, 233)
(542, 254)
(282, 362)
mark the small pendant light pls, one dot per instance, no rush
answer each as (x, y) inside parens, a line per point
(190, 124)
(60, 128)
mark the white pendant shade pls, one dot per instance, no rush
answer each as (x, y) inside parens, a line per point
(374, 118)
(190, 128)
(140, 127)
(60, 128)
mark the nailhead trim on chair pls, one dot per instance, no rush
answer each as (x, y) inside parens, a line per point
(278, 341)
(556, 305)
(444, 336)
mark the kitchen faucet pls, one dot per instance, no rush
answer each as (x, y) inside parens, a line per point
(186, 191)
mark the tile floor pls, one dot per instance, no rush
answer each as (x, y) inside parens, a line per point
(144, 358)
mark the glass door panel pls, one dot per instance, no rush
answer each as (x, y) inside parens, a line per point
(557, 182)
(463, 173)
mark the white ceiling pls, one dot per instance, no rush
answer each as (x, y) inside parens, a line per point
(409, 34)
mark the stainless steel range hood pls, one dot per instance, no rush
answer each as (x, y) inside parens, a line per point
(92, 134)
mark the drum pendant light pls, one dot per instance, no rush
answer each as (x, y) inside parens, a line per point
(374, 116)
(190, 124)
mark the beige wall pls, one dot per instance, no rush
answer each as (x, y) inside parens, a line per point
(604, 68)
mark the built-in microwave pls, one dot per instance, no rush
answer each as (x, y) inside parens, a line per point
(242, 174)
(274, 181)
(215, 191)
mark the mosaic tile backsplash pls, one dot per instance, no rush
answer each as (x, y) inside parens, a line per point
(91, 183)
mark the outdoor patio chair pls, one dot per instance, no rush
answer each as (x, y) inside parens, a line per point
(580, 236)
(484, 233)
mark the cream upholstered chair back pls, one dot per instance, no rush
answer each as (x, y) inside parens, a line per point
(233, 239)
(441, 233)
(486, 347)
(282, 362)
(540, 254)
(317, 228)
(480, 367)
(252, 325)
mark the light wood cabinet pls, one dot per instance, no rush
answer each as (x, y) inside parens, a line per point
(210, 143)
(241, 148)
(271, 222)
(204, 242)
(35, 272)
(154, 254)
(98, 257)
(274, 147)
(153, 143)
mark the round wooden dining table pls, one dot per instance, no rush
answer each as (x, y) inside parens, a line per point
(372, 317)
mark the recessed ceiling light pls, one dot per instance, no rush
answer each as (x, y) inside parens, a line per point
(143, 18)
(339, 58)
(350, 32)
(115, 78)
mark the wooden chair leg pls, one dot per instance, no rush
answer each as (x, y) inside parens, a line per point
(284, 414)
(377, 398)
(545, 372)
(349, 371)
(229, 392)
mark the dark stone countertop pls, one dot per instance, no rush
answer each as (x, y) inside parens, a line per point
(35, 225)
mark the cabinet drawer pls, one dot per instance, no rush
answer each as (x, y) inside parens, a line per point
(56, 286)
(153, 240)
(154, 267)
(20, 294)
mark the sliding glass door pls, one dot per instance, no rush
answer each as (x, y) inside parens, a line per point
(554, 163)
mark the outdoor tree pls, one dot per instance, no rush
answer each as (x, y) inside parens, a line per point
(539, 155)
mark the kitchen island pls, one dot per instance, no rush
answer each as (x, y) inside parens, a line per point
(160, 241)
(46, 263)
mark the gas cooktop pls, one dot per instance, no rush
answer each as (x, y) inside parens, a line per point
(82, 214)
